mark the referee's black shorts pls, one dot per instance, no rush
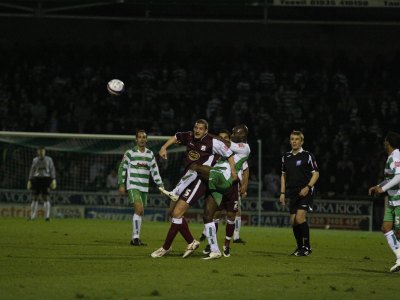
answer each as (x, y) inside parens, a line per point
(297, 202)
(41, 185)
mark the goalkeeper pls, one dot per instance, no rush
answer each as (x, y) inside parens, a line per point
(42, 177)
(133, 175)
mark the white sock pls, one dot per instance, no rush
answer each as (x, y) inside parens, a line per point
(212, 236)
(34, 208)
(238, 224)
(47, 206)
(136, 225)
(186, 179)
(394, 244)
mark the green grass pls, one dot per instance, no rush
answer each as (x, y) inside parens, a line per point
(92, 259)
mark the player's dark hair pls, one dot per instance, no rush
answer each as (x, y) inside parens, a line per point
(243, 128)
(240, 131)
(226, 131)
(140, 131)
(202, 121)
(393, 138)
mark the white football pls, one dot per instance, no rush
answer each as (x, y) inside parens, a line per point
(115, 87)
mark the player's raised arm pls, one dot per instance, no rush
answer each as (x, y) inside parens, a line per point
(163, 151)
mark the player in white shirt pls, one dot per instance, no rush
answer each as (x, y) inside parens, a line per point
(42, 178)
(231, 203)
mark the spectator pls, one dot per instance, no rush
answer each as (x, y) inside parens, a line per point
(112, 180)
(272, 182)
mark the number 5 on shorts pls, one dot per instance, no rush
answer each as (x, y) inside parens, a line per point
(187, 192)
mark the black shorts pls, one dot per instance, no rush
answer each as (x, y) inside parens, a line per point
(296, 202)
(41, 185)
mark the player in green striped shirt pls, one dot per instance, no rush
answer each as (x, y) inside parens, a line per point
(134, 176)
(391, 185)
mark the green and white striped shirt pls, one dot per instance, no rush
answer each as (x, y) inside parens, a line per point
(392, 168)
(241, 154)
(135, 169)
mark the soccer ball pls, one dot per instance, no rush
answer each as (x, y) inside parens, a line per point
(115, 87)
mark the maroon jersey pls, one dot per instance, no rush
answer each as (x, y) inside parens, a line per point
(200, 151)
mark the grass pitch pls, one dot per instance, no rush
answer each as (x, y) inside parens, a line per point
(92, 259)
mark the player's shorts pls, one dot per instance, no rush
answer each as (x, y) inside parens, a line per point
(304, 203)
(194, 191)
(136, 196)
(41, 185)
(392, 214)
(231, 199)
(218, 185)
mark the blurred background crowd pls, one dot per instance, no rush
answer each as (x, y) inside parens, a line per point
(344, 103)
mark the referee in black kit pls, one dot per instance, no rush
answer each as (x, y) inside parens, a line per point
(299, 175)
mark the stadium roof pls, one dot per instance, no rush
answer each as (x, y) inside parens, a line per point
(235, 11)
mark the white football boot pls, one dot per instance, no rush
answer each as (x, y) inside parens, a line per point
(160, 252)
(171, 195)
(191, 248)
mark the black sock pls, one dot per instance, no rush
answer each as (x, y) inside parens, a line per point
(305, 232)
(298, 235)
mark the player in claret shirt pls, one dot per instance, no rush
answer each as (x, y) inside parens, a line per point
(220, 179)
(201, 148)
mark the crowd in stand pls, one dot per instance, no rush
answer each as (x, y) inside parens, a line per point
(344, 105)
